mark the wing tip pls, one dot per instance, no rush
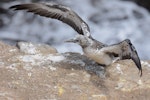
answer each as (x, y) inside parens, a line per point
(141, 72)
(12, 7)
(15, 7)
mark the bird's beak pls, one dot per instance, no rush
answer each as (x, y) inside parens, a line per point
(71, 40)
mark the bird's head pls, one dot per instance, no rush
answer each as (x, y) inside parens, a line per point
(82, 40)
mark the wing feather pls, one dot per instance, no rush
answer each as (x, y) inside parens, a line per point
(54, 11)
(125, 50)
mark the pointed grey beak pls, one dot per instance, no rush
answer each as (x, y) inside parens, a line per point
(71, 40)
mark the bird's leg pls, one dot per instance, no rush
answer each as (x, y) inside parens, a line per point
(116, 59)
(101, 70)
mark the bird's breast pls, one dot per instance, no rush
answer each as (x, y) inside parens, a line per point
(98, 56)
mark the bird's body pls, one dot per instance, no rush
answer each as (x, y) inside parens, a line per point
(98, 55)
(95, 50)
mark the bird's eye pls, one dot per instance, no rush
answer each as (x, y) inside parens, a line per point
(77, 41)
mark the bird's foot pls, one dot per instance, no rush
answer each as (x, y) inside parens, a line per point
(116, 59)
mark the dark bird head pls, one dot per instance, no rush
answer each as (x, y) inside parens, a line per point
(82, 40)
(129, 52)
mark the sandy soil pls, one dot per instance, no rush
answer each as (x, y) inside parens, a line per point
(69, 79)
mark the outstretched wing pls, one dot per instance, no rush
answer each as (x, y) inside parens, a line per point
(55, 11)
(124, 50)
(130, 53)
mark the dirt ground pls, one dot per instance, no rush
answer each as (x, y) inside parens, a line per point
(72, 78)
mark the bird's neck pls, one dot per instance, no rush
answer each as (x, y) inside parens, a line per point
(89, 42)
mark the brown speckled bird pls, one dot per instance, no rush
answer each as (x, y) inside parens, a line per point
(95, 50)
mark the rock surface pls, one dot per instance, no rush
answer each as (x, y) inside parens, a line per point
(42, 75)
